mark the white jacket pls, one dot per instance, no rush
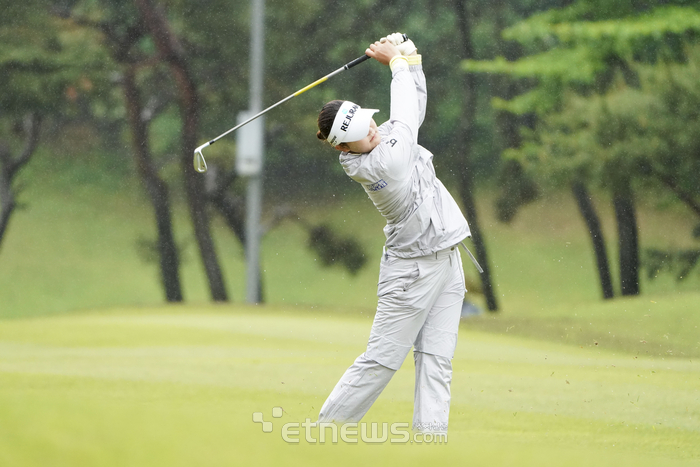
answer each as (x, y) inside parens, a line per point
(399, 177)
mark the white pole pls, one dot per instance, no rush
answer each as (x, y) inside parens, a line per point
(255, 189)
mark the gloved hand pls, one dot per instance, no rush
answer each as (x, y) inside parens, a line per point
(405, 47)
(395, 38)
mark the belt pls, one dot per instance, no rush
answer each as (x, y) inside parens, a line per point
(445, 252)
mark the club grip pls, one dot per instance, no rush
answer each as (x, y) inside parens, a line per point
(357, 61)
(361, 59)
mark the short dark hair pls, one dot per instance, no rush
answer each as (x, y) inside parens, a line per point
(326, 118)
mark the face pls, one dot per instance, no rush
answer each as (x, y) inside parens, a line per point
(364, 145)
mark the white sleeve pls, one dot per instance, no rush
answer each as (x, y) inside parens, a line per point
(394, 153)
(421, 90)
(404, 104)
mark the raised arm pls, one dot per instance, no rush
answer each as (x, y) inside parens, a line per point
(404, 95)
(416, 68)
(408, 49)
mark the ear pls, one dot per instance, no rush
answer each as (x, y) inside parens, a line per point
(342, 147)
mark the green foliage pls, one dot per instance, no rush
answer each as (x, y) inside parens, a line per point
(576, 65)
(594, 137)
(303, 42)
(569, 50)
(43, 59)
(572, 53)
(678, 262)
(613, 86)
(622, 32)
(333, 249)
(28, 58)
(518, 189)
(647, 131)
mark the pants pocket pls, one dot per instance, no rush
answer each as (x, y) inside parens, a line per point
(397, 276)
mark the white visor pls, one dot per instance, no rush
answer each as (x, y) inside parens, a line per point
(351, 124)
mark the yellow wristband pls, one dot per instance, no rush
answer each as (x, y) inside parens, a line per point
(399, 61)
(414, 59)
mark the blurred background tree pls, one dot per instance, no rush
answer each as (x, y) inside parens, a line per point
(595, 96)
(41, 68)
(582, 71)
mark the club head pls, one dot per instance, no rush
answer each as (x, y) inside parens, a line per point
(200, 165)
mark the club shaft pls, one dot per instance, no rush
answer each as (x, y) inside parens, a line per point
(250, 119)
(347, 66)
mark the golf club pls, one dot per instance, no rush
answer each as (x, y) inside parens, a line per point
(200, 164)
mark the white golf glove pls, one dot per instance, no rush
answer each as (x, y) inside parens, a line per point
(405, 47)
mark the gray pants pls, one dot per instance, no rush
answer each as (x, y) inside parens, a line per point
(420, 300)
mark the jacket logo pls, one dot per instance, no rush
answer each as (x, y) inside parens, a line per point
(377, 185)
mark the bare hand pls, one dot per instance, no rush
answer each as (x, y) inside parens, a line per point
(383, 52)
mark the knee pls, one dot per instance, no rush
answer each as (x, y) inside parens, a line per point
(436, 342)
(386, 353)
(434, 364)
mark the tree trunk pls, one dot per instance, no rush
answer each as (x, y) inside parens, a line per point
(623, 200)
(590, 216)
(7, 197)
(156, 188)
(173, 55)
(466, 178)
(232, 210)
(9, 167)
(232, 215)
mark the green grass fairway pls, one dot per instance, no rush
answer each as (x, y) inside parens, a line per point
(177, 386)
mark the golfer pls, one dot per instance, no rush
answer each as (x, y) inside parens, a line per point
(421, 282)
